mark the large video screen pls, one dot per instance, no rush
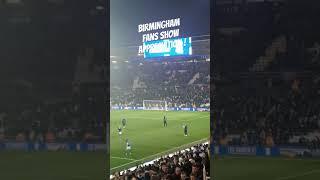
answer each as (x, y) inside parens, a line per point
(167, 47)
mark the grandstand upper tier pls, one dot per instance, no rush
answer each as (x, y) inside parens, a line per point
(263, 36)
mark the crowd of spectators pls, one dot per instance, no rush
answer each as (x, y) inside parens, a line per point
(278, 111)
(61, 121)
(286, 110)
(181, 84)
(185, 96)
(191, 164)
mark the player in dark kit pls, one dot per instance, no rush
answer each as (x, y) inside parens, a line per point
(185, 130)
(124, 122)
(165, 123)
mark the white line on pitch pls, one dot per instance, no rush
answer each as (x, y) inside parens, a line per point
(159, 154)
(114, 157)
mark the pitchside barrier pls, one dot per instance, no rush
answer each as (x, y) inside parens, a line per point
(289, 151)
(169, 108)
(28, 146)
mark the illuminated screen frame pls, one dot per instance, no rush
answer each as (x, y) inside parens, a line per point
(167, 48)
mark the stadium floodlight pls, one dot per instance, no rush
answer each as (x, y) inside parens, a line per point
(155, 105)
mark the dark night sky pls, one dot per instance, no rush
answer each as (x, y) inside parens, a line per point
(126, 15)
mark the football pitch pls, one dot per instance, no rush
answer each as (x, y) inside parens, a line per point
(265, 168)
(53, 165)
(149, 139)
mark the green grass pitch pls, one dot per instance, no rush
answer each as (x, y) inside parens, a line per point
(53, 165)
(265, 168)
(149, 138)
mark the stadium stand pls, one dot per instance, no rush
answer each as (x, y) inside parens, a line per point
(270, 97)
(290, 111)
(193, 163)
(57, 117)
(181, 84)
